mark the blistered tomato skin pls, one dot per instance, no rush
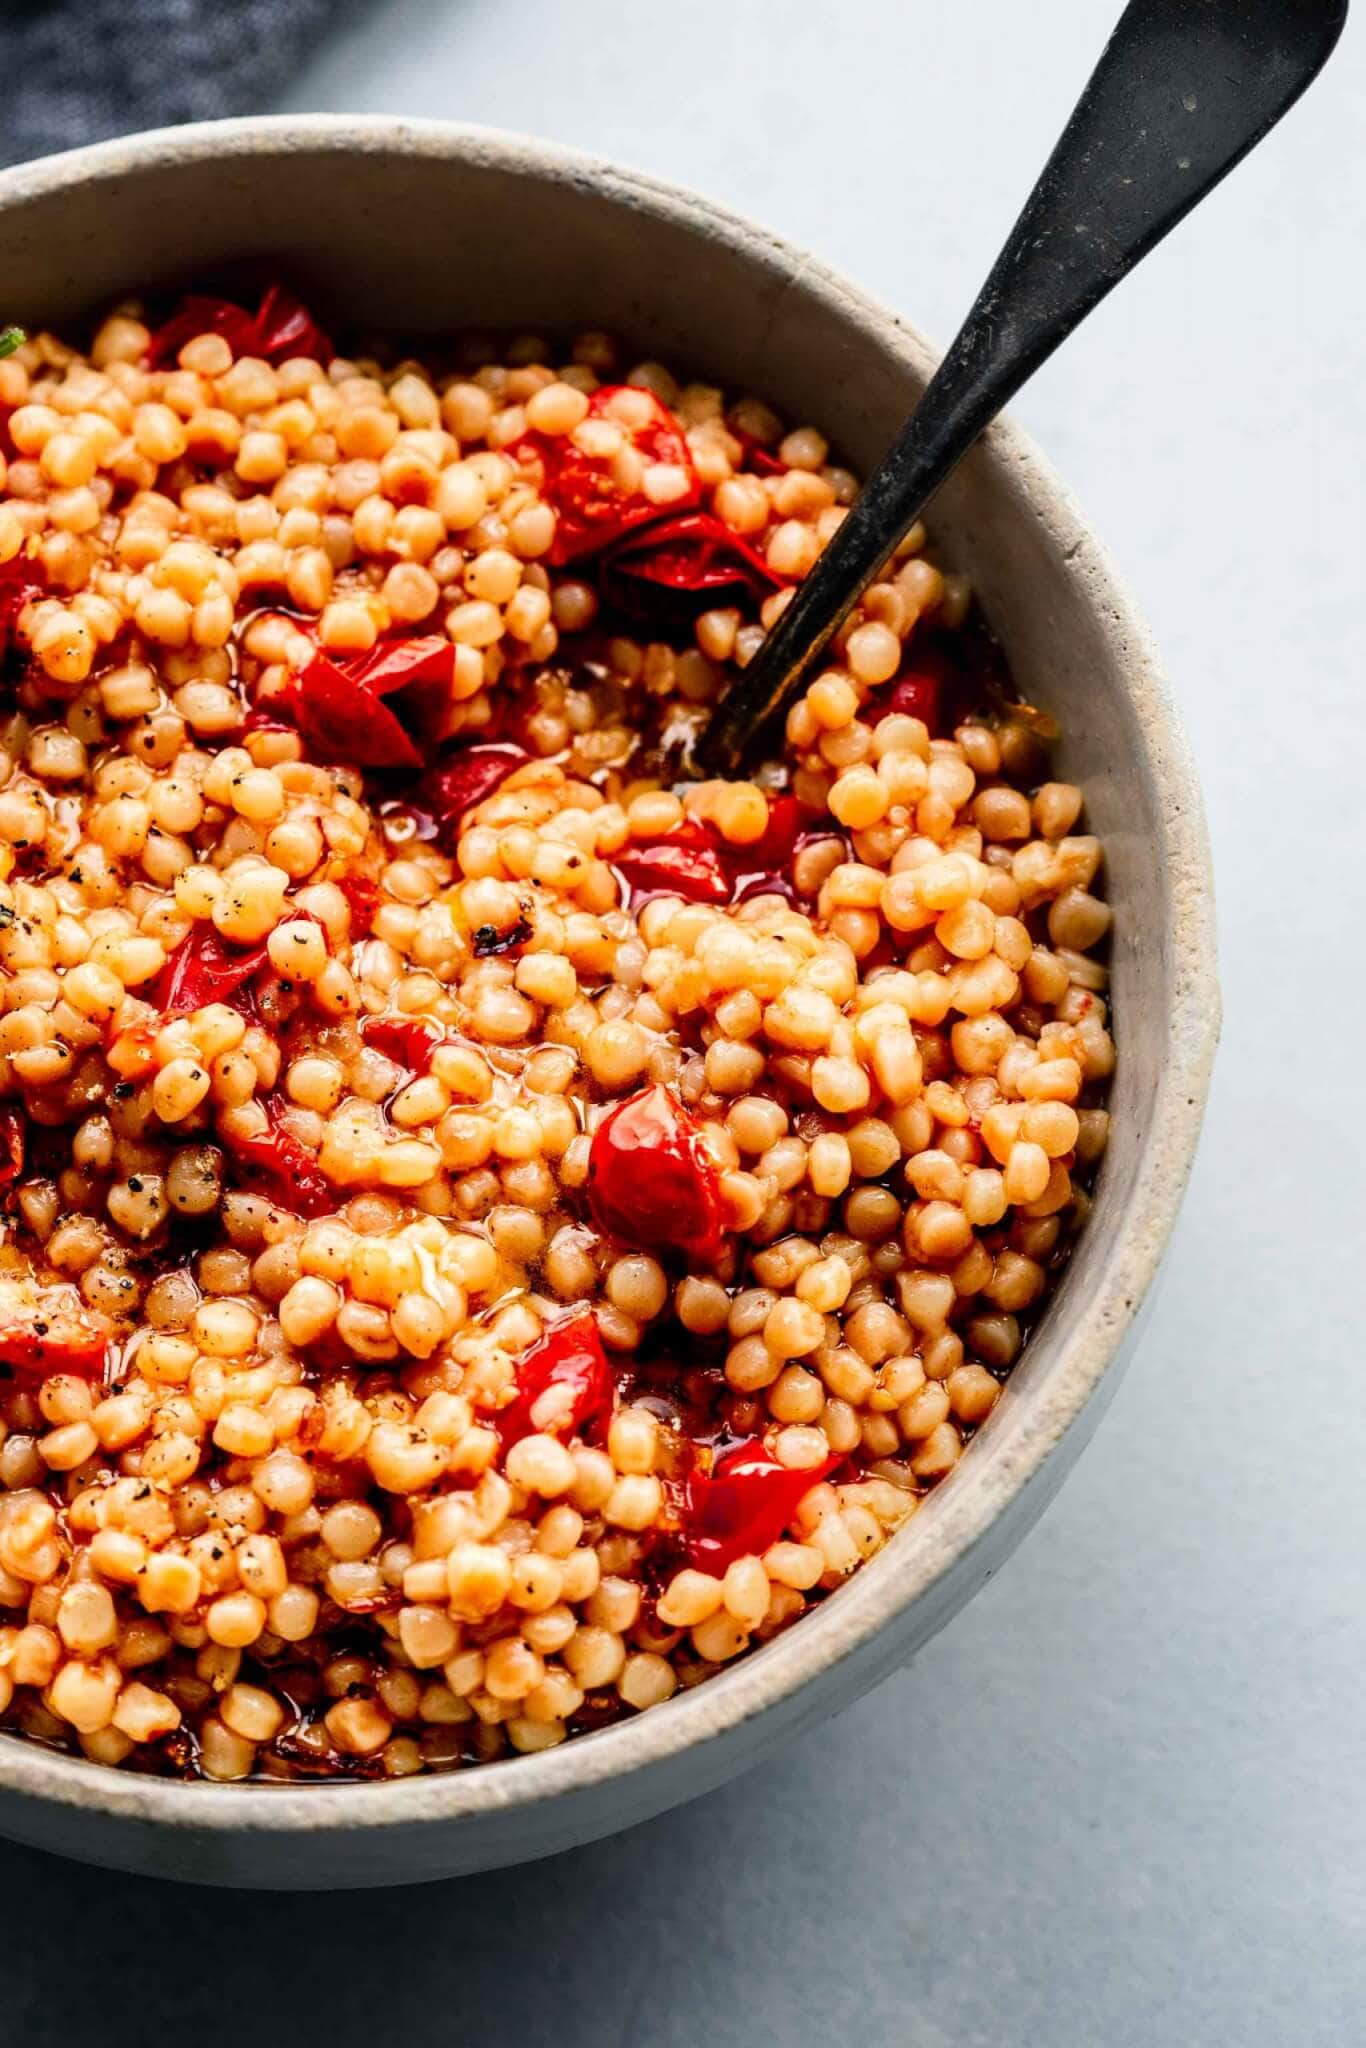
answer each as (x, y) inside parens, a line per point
(676, 867)
(677, 566)
(743, 1505)
(563, 1382)
(650, 1180)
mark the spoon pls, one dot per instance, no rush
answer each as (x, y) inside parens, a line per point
(1183, 90)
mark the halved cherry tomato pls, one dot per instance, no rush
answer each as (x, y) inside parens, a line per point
(464, 779)
(203, 970)
(687, 562)
(407, 1041)
(42, 1342)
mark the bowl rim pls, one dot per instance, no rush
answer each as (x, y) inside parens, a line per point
(918, 1558)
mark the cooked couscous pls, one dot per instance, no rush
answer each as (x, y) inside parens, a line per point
(492, 1228)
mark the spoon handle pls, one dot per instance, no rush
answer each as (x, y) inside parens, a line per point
(1183, 90)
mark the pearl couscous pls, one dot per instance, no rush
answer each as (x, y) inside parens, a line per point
(492, 1229)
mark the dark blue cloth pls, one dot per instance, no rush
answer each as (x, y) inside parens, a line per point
(76, 71)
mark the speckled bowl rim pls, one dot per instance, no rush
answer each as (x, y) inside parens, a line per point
(923, 1553)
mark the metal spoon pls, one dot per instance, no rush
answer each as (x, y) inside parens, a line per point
(1183, 90)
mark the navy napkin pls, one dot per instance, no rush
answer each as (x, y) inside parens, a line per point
(78, 70)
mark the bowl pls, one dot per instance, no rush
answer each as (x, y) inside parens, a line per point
(428, 227)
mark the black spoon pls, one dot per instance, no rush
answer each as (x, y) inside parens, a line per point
(1183, 90)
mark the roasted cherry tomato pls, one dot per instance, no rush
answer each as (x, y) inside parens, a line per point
(12, 1143)
(563, 1381)
(593, 507)
(291, 1172)
(686, 864)
(407, 1041)
(465, 778)
(743, 1505)
(281, 327)
(203, 970)
(22, 579)
(41, 1341)
(338, 701)
(685, 563)
(651, 1179)
(695, 862)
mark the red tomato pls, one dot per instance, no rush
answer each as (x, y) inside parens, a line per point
(22, 579)
(463, 780)
(291, 1172)
(12, 1143)
(563, 1381)
(919, 690)
(362, 898)
(41, 1342)
(743, 1505)
(676, 867)
(674, 567)
(285, 328)
(592, 510)
(407, 1041)
(338, 701)
(651, 1180)
(694, 861)
(281, 326)
(204, 970)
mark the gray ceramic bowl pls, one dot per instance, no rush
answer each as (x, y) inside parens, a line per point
(429, 227)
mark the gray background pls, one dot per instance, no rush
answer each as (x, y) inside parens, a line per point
(1121, 1800)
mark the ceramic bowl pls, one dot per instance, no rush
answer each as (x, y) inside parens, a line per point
(427, 227)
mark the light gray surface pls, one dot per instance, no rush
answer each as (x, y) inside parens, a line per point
(1120, 1802)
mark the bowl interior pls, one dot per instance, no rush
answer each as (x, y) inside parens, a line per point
(427, 230)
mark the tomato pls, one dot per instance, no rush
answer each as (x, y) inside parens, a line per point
(39, 1342)
(685, 563)
(651, 1179)
(563, 1381)
(22, 579)
(407, 1041)
(338, 700)
(281, 326)
(695, 862)
(464, 779)
(203, 970)
(592, 509)
(743, 1505)
(13, 1129)
(291, 1172)
(676, 866)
